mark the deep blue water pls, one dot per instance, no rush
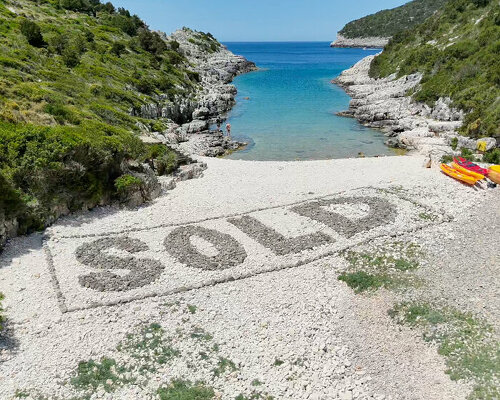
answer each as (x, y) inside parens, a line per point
(290, 113)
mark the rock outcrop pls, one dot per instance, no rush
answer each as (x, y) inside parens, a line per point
(386, 104)
(368, 42)
(188, 118)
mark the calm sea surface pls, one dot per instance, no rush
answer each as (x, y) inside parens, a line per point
(290, 113)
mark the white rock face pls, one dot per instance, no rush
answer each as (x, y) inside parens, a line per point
(188, 117)
(370, 42)
(384, 104)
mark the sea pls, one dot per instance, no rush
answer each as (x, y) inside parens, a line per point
(286, 110)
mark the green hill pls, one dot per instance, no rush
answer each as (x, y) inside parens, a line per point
(387, 23)
(458, 52)
(70, 73)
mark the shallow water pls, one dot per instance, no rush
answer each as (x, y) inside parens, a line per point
(291, 105)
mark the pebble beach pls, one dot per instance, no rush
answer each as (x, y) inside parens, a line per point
(237, 273)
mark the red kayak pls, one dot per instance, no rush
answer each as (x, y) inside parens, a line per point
(471, 166)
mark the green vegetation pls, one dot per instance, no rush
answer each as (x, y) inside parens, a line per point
(361, 281)
(223, 366)
(92, 375)
(74, 74)
(127, 183)
(467, 343)
(387, 23)
(185, 390)
(458, 52)
(277, 362)
(492, 157)
(374, 270)
(192, 309)
(2, 318)
(149, 348)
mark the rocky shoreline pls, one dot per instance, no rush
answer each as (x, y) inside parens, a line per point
(385, 104)
(189, 119)
(368, 42)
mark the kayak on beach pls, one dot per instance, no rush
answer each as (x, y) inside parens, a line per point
(469, 165)
(471, 169)
(454, 173)
(465, 171)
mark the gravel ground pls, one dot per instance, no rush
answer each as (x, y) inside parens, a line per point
(239, 270)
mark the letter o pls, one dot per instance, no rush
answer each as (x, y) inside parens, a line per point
(230, 252)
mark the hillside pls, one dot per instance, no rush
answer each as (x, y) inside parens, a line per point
(386, 23)
(76, 78)
(458, 52)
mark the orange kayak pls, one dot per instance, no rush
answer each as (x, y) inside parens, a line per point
(458, 175)
(494, 176)
(465, 171)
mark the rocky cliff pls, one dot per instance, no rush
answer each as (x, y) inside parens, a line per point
(188, 118)
(368, 42)
(386, 104)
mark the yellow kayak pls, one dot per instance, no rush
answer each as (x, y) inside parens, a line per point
(458, 175)
(465, 171)
(495, 168)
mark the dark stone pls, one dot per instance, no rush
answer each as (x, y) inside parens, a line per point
(382, 212)
(178, 244)
(143, 271)
(278, 243)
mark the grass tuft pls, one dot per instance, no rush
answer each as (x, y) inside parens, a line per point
(185, 390)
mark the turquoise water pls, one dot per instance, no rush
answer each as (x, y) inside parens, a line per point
(290, 113)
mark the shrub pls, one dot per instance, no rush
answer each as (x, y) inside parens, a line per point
(75, 5)
(492, 156)
(32, 33)
(174, 45)
(71, 56)
(118, 48)
(127, 183)
(145, 85)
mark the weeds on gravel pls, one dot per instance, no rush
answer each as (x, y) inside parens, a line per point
(361, 281)
(223, 366)
(150, 347)
(467, 343)
(192, 309)
(200, 334)
(278, 362)
(382, 267)
(254, 396)
(185, 390)
(2, 318)
(92, 375)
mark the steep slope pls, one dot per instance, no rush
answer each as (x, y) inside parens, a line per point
(77, 78)
(374, 30)
(458, 52)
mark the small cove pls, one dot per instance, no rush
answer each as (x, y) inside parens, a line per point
(286, 110)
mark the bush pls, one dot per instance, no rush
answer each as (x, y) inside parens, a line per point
(75, 5)
(118, 48)
(127, 184)
(48, 166)
(32, 33)
(71, 56)
(151, 41)
(492, 156)
(145, 85)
